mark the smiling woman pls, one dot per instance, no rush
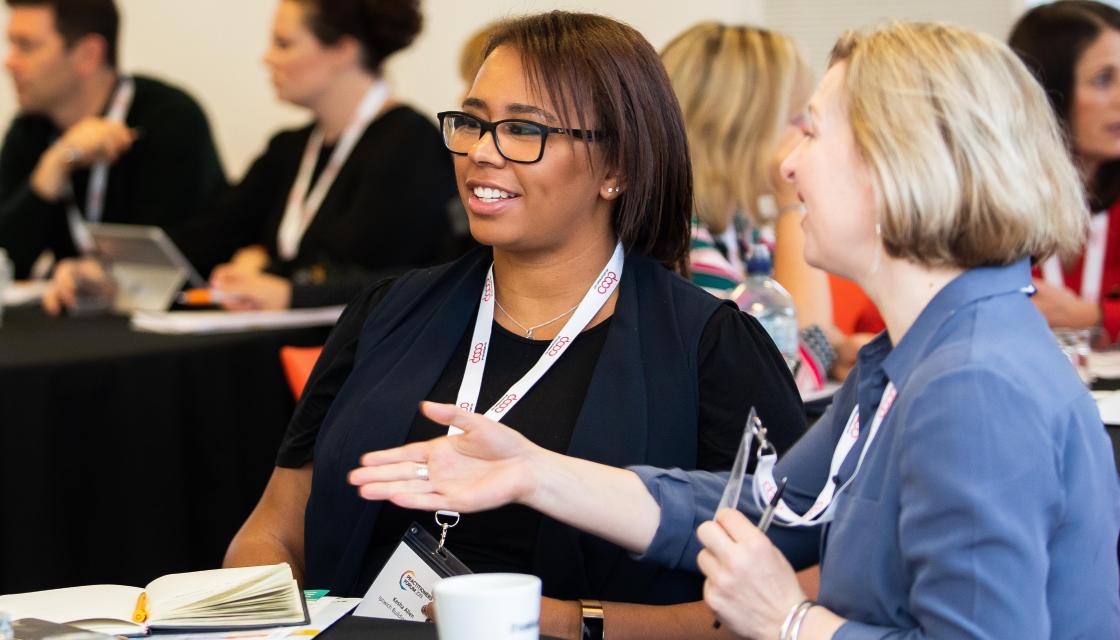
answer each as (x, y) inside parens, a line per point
(571, 162)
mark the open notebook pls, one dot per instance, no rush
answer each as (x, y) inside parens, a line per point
(239, 598)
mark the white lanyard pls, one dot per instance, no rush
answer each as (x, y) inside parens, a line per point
(98, 174)
(596, 296)
(823, 508)
(592, 302)
(1092, 269)
(303, 206)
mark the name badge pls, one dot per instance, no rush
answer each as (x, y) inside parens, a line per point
(405, 583)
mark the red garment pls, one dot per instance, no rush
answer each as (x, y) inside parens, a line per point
(1110, 275)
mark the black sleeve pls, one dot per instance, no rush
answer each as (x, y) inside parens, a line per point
(327, 377)
(174, 170)
(741, 368)
(237, 217)
(27, 222)
(419, 191)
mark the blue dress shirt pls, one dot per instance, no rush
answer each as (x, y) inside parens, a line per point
(988, 504)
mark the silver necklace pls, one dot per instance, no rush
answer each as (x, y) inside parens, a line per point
(529, 330)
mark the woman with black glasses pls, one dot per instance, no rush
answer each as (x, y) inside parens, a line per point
(570, 324)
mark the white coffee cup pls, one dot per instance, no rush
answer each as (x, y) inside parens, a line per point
(495, 606)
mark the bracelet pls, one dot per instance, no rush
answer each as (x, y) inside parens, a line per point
(788, 630)
(795, 631)
(819, 347)
(591, 615)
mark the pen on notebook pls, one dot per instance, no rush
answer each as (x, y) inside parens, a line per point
(765, 520)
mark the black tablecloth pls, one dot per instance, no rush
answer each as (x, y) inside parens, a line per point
(125, 455)
(355, 628)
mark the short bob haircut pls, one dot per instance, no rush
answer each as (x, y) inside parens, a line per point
(967, 161)
(611, 78)
(382, 27)
(735, 84)
(1050, 39)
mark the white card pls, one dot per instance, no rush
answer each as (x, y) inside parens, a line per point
(401, 589)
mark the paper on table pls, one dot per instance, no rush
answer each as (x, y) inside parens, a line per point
(104, 607)
(1105, 364)
(180, 322)
(324, 612)
(1108, 404)
(23, 292)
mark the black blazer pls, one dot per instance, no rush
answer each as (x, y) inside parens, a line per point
(641, 408)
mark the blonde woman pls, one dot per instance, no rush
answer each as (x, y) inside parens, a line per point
(979, 498)
(741, 89)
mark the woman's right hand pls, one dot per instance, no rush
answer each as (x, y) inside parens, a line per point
(78, 280)
(487, 466)
(251, 259)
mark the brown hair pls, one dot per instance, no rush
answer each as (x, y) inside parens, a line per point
(75, 19)
(968, 164)
(1050, 39)
(612, 75)
(382, 27)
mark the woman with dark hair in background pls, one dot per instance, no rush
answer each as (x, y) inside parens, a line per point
(359, 194)
(1073, 49)
(572, 164)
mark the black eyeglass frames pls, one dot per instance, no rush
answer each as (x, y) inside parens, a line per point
(516, 140)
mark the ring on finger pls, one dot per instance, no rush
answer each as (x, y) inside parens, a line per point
(422, 471)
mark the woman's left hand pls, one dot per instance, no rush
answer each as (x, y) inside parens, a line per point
(249, 291)
(750, 586)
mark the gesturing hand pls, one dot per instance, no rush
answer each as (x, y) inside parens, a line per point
(97, 139)
(487, 466)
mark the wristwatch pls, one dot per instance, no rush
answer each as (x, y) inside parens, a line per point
(592, 612)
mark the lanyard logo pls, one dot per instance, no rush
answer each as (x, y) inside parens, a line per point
(478, 353)
(607, 282)
(505, 403)
(559, 346)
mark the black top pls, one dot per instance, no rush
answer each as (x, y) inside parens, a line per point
(387, 210)
(171, 172)
(504, 539)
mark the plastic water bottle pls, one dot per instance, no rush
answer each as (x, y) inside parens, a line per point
(766, 300)
(5, 282)
(6, 632)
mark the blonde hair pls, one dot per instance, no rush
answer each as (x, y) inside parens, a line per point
(969, 165)
(735, 85)
(473, 53)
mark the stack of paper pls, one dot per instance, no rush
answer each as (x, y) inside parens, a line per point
(181, 322)
(23, 292)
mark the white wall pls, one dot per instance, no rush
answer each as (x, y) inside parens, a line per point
(214, 47)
